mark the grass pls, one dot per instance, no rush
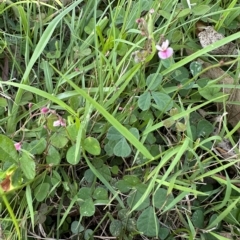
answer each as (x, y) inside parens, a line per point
(115, 142)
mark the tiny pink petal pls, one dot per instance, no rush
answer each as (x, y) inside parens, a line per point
(165, 45)
(18, 146)
(59, 122)
(56, 123)
(159, 48)
(165, 54)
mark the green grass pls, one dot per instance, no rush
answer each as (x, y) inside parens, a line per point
(136, 155)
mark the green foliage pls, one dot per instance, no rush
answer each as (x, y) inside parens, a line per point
(101, 137)
(147, 223)
(8, 152)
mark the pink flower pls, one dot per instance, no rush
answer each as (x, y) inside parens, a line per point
(44, 110)
(164, 51)
(59, 122)
(18, 146)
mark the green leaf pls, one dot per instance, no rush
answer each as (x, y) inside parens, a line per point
(177, 35)
(87, 209)
(135, 132)
(109, 148)
(163, 233)
(72, 131)
(202, 82)
(123, 186)
(167, 63)
(154, 81)
(200, 10)
(144, 101)
(89, 176)
(163, 101)
(76, 227)
(161, 199)
(41, 191)
(100, 193)
(37, 146)
(198, 218)
(210, 93)
(204, 128)
(3, 102)
(92, 146)
(28, 166)
(213, 218)
(88, 234)
(113, 134)
(195, 68)
(123, 214)
(91, 25)
(115, 228)
(84, 193)
(72, 157)
(186, 84)
(105, 172)
(53, 157)
(8, 152)
(130, 224)
(148, 223)
(132, 180)
(59, 139)
(181, 74)
(183, 12)
(134, 198)
(115, 170)
(122, 148)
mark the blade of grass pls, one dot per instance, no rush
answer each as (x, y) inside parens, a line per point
(30, 204)
(10, 211)
(218, 236)
(216, 170)
(179, 151)
(223, 214)
(225, 15)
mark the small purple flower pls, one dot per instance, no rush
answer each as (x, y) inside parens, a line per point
(59, 122)
(164, 51)
(18, 146)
